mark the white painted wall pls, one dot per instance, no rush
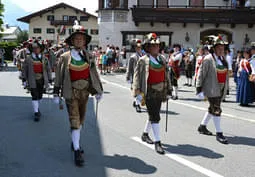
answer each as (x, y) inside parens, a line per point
(112, 32)
(41, 22)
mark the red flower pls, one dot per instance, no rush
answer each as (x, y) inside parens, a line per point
(153, 35)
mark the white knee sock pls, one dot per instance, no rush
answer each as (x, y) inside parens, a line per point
(76, 138)
(155, 128)
(147, 127)
(175, 91)
(190, 81)
(35, 105)
(216, 120)
(206, 118)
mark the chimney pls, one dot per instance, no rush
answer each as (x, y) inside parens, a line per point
(84, 9)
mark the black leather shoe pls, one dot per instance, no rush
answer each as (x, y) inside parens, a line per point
(78, 159)
(159, 148)
(203, 130)
(39, 113)
(72, 148)
(37, 116)
(146, 138)
(175, 97)
(221, 138)
(134, 104)
(138, 108)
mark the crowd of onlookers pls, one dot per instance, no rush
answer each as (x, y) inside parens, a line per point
(109, 60)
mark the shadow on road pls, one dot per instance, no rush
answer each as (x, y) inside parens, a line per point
(241, 140)
(30, 149)
(9, 69)
(124, 162)
(191, 99)
(181, 90)
(190, 150)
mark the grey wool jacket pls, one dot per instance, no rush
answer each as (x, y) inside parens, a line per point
(207, 78)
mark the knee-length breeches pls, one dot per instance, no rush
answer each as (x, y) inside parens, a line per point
(153, 104)
(214, 106)
(37, 92)
(76, 107)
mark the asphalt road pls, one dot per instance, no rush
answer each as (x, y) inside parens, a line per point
(112, 141)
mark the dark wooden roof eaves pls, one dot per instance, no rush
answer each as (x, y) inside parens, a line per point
(27, 18)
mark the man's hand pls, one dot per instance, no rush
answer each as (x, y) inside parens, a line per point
(98, 97)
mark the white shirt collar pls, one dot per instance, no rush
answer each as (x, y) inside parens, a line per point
(153, 60)
(75, 55)
(218, 61)
(34, 56)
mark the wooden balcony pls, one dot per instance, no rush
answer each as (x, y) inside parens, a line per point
(62, 22)
(184, 14)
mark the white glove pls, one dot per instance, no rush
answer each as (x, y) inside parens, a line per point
(138, 99)
(56, 99)
(99, 97)
(25, 84)
(168, 97)
(201, 96)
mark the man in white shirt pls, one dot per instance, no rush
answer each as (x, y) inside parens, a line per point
(252, 62)
(247, 3)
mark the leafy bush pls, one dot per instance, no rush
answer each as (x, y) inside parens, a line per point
(8, 47)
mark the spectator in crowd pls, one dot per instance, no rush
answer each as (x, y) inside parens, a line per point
(245, 93)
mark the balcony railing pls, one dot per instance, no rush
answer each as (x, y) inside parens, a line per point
(194, 14)
(62, 22)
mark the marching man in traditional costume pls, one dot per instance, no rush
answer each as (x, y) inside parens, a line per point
(37, 73)
(151, 82)
(76, 78)
(174, 63)
(22, 54)
(131, 68)
(211, 80)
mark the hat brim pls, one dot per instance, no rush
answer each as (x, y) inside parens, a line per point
(69, 39)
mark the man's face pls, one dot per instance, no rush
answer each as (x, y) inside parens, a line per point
(79, 41)
(219, 50)
(253, 51)
(176, 49)
(138, 49)
(154, 49)
(37, 50)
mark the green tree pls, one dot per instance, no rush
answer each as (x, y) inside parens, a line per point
(22, 36)
(1, 15)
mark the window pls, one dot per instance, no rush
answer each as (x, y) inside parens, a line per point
(196, 3)
(84, 18)
(162, 3)
(50, 30)
(50, 17)
(94, 31)
(72, 18)
(65, 17)
(37, 30)
(146, 3)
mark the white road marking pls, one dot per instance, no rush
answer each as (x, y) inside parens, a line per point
(187, 105)
(182, 161)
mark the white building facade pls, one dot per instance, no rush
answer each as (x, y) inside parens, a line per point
(55, 23)
(187, 22)
(9, 33)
